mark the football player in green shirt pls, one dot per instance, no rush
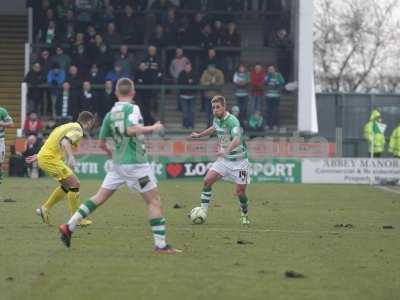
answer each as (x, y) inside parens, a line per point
(124, 125)
(5, 122)
(232, 163)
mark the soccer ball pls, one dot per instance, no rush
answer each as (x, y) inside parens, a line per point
(198, 215)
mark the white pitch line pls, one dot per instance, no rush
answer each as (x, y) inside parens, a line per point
(388, 189)
(278, 230)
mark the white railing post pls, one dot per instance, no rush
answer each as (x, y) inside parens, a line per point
(24, 94)
(30, 25)
(27, 58)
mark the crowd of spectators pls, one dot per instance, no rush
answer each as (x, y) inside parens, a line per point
(85, 44)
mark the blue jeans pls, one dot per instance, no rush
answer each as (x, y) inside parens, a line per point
(208, 109)
(257, 103)
(242, 103)
(187, 105)
(272, 115)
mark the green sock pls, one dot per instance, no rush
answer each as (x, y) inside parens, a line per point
(205, 197)
(83, 211)
(158, 228)
(244, 204)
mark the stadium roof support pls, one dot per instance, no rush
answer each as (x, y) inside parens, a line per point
(307, 110)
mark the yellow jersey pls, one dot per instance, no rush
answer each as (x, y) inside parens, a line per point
(52, 147)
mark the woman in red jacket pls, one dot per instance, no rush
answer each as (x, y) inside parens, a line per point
(257, 86)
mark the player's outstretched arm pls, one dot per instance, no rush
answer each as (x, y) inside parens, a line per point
(139, 129)
(6, 124)
(209, 131)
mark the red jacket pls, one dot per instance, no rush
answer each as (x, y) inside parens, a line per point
(32, 127)
(257, 83)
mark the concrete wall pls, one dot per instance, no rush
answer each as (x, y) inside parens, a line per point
(12, 7)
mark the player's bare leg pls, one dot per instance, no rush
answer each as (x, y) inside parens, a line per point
(82, 212)
(157, 222)
(243, 202)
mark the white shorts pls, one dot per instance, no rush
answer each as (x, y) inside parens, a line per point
(139, 177)
(2, 150)
(236, 171)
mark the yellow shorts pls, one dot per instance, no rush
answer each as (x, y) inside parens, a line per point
(54, 167)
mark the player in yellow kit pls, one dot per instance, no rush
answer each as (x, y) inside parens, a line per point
(59, 148)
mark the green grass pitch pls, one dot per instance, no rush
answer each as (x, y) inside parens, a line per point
(293, 228)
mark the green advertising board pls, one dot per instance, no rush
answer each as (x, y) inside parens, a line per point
(272, 170)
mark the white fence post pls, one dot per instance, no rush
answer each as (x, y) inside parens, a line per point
(24, 93)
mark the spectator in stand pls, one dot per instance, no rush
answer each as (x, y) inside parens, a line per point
(211, 58)
(144, 98)
(79, 40)
(235, 110)
(154, 68)
(48, 36)
(125, 60)
(62, 9)
(44, 61)
(187, 97)
(33, 125)
(34, 78)
(171, 27)
(74, 77)
(241, 79)
(55, 78)
(91, 34)
(88, 100)
(75, 81)
(162, 7)
(178, 64)
(94, 48)
(274, 83)
(95, 76)
(256, 123)
(33, 146)
(195, 29)
(394, 142)
(104, 59)
(108, 16)
(183, 35)
(205, 39)
(84, 9)
(213, 79)
(282, 42)
(62, 59)
(115, 74)
(49, 127)
(68, 28)
(217, 35)
(66, 109)
(153, 65)
(107, 99)
(82, 60)
(128, 26)
(158, 38)
(111, 37)
(257, 78)
(232, 39)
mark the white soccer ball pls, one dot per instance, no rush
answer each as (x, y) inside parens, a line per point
(198, 215)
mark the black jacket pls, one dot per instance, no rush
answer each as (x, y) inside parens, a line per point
(187, 79)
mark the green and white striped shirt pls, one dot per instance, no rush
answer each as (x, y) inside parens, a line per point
(4, 117)
(227, 129)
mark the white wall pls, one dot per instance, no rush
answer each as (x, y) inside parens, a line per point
(12, 7)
